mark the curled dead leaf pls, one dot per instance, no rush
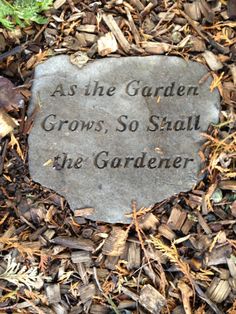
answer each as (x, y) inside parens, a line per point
(79, 58)
(10, 97)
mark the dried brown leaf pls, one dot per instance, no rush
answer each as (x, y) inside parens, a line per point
(10, 97)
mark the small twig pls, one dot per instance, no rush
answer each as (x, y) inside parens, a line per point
(40, 31)
(191, 22)
(162, 19)
(14, 51)
(3, 155)
(210, 41)
(6, 308)
(96, 279)
(109, 300)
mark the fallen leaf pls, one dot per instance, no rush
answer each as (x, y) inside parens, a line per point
(79, 58)
(10, 97)
(7, 123)
(14, 142)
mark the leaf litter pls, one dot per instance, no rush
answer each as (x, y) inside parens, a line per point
(178, 256)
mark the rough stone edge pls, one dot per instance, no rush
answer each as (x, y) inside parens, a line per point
(66, 58)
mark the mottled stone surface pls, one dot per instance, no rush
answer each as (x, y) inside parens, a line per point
(119, 129)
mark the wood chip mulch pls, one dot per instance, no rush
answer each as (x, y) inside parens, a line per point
(177, 257)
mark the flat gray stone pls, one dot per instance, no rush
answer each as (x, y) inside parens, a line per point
(119, 129)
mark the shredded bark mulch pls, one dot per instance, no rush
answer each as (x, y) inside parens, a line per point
(178, 256)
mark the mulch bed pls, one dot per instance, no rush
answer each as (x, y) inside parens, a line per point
(178, 256)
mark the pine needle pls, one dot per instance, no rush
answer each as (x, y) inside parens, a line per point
(172, 254)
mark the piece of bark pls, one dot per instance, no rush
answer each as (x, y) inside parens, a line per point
(231, 8)
(86, 39)
(232, 283)
(220, 213)
(7, 234)
(82, 270)
(227, 185)
(149, 7)
(7, 123)
(178, 310)
(99, 309)
(148, 26)
(166, 232)
(233, 209)
(148, 222)
(74, 243)
(137, 4)
(219, 290)
(83, 212)
(231, 266)
(127, 304)
(92, 50)
(177, 218)
(212, 61)
(156, 255)
(151, 299)
(151, 275)
(53, 293)
(133, 27)
(107, 44)
(193, 10)
(114, 28)
(155, 47)
(48, 234)
(115, 244)
(134, 256)
(60, 309)
(81, 257)
(186, 293)
(88, 28)
(111, 262)
(218, 255)
(203, 223)
(58, 3)
(233, 72)
(130, 294)
(224, 273)
(3, 43)
(102, 274)
(87, 292)
(206, 11)
(197, 44)
(187, 226)
(205, 298)
(72, 43)
(78, 309)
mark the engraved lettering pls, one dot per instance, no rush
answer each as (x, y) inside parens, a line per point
(72, 90)
(46, 125)
(181, 90)
(103, 163)
(132, 88)
(153, 119)
(169, 90)
(59, 89)
(122, 123)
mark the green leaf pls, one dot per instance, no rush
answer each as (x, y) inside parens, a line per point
(21, 12)
(6, 23)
